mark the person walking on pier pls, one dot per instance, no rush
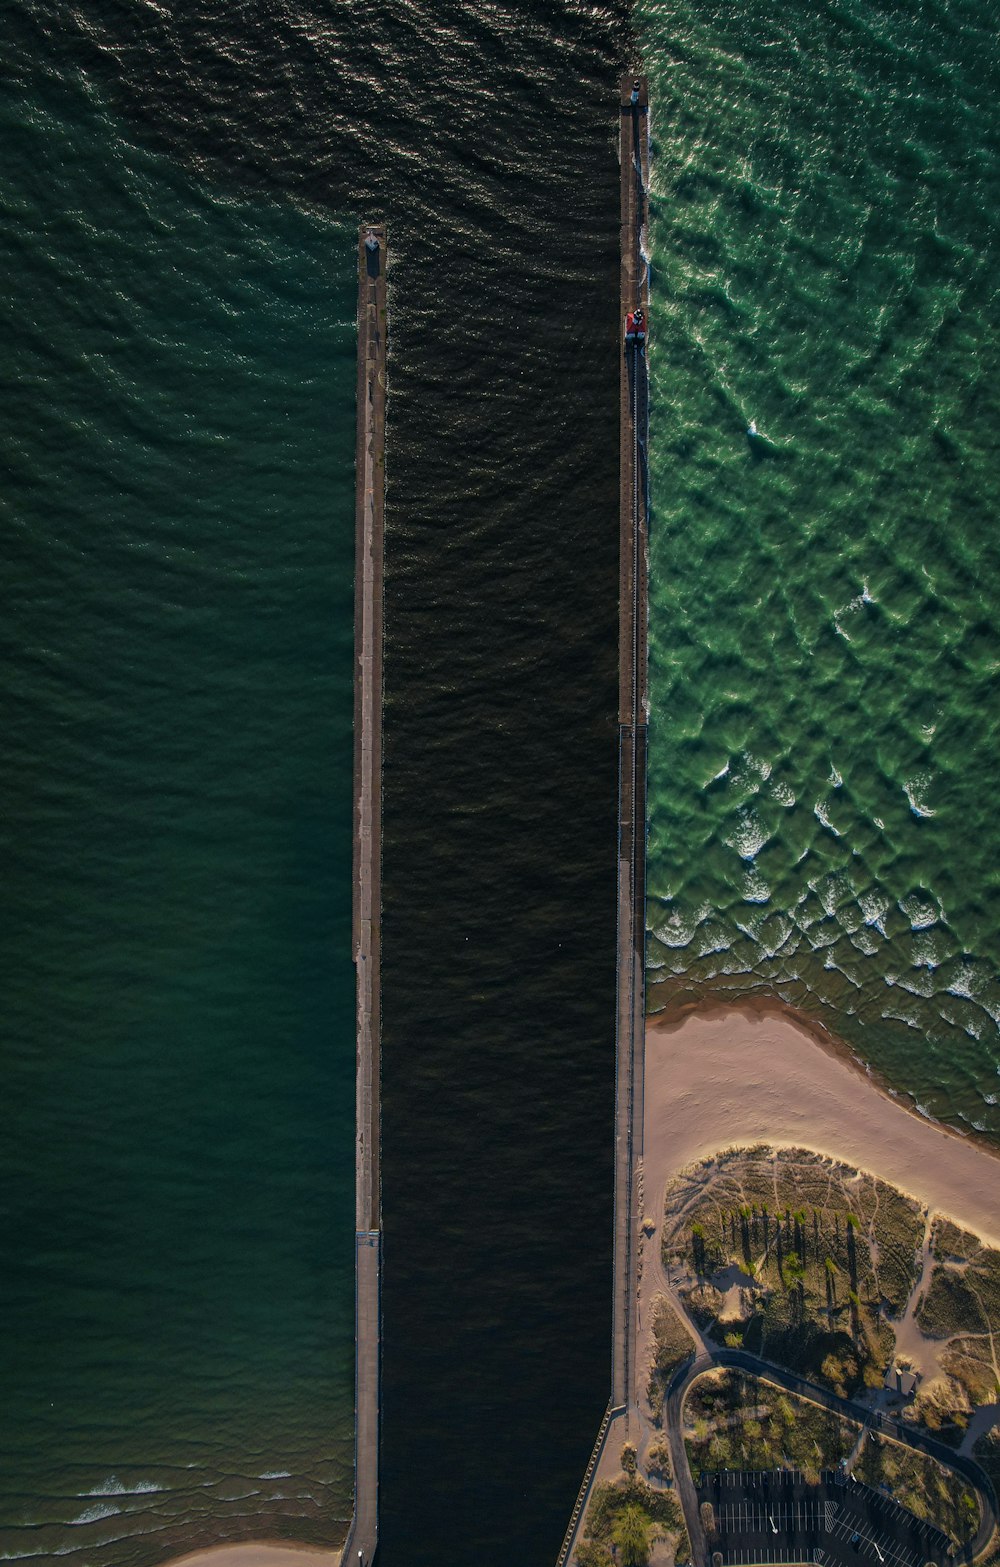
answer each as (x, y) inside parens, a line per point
(635, 328)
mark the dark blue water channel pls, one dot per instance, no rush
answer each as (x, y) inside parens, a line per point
(179, 192)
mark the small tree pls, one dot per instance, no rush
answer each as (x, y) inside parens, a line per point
(698, 1248)
(631, 1535)
(832, 1370)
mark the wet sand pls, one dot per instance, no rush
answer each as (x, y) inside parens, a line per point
(740, 1075)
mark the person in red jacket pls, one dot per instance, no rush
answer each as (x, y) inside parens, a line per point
(635, 326)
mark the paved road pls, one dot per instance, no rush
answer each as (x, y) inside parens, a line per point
(362, 1538)
(909, 1436)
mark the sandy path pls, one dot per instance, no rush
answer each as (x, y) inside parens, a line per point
(733, 1075)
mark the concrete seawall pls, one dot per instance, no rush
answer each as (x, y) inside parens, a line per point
(632, 717)
(362, 1537)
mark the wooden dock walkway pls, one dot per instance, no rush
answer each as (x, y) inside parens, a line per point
(362, 1538)
(632, 718)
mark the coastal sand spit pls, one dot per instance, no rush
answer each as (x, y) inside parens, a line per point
(742, 1075)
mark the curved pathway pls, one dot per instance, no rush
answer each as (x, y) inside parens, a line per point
(741, 1360)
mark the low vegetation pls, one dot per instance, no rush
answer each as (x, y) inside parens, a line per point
(796, 1258)
(923, 1486)
(632, 1517)
(962, 1304)
(672, 1346)
(987, 1453)
(735, 1421)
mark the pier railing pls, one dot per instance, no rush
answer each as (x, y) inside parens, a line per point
(583, 1494)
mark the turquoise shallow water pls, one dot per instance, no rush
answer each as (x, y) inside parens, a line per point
(176, 1169)
(824, 646)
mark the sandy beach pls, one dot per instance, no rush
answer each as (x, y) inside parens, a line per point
(729, 1076)
(260, 1555)
(733, 1075)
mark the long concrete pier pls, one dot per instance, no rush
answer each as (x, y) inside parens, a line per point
(362, 1538)
(633, 711)
(632, 718)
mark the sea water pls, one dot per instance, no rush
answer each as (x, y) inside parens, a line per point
(823, 641)
(176, 1165)
(182, 186)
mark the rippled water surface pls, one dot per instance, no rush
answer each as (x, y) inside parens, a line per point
(824, 644)
(176, 1170)
(180, 190)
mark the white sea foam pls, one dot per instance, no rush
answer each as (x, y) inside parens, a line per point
(991, 1008)
(275, 1474)
(917, 786)
(783, 794)
(889, 1014)
(750, 772)
(675, 930)
(754, 887)
(820, 812)
(930, 948)
(864, 941)
(874, 907)
(711, 945)
(96, 1513)
(112, 1486)
(835, 778)
(831, 892)
(921, 915)
(851, 608)
(749, 836)
(964, 983)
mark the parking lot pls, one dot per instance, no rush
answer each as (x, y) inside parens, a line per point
(778, 1517)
